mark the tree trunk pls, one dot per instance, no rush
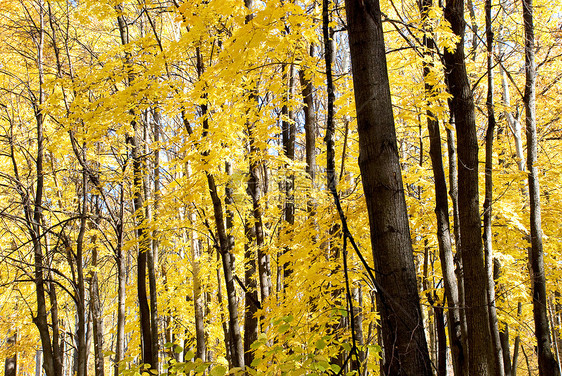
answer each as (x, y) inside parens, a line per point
(144, 244)
(547, 362)
(121, 287)
(250, 302)
(480, 360)
(11, 362)
(405, 346)
(458, 351)
(288, 134)
(488, 196)
(95, 302)
(154, 241)
(81, 367)
(254, 190)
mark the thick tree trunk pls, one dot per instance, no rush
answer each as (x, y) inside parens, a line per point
(547, 362)
(480, 359)
(405, 346)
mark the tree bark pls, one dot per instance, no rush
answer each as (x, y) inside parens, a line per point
(547, 362)
(458, 351)
(405, 345)
(11, 362)
(95, 302)
(480, 360)
(488, 196)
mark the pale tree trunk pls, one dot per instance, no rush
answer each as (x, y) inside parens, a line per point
(480, 359)
(11, 362)
(547, 362)
(198, 297)
(488, 196)
(405, 345)
(513, 121)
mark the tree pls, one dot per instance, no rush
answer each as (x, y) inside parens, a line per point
(480, 361)
(405, 347)
(547, 362)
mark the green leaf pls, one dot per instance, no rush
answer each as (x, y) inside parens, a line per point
(218, 371)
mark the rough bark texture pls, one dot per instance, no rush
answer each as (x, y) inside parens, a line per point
(405, 345)
(547, 362)
(480, 360)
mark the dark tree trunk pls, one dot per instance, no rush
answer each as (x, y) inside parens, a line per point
(547, 362)
(288, 136)
(480, 359)
(488, 196)
(250, 303)
(139, 168)
(458, 351)
(405, 346)
(121, 287)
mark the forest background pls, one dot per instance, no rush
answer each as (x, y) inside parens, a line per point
(180, 192)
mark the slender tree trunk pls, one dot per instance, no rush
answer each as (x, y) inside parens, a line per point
(225, 326)
(81, 311)
(547, 362)
(33, 214)
(11, 362)
(144, 244)
(288, 135)
(95, 302)
(225, 248)
(250, 302)
(480, 359)
(309, 124)
(198, 297)
(152, 255)
(458, 351)
(513, 122)
(121, 287)
(405, 346)
(488, 196)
